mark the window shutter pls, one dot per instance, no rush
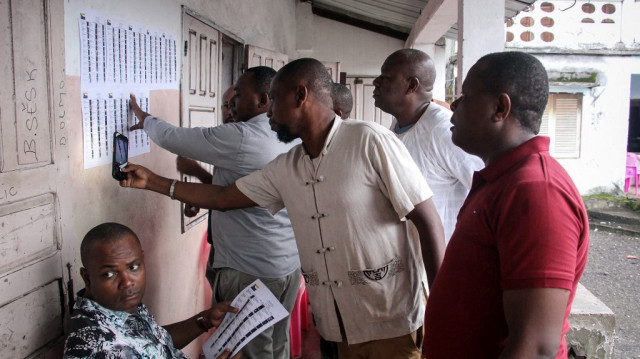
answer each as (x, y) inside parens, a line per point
(561, 122)
(567, 125)
(544, 126)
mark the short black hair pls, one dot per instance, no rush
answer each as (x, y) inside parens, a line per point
(342, 98)
(262, 76)
(523, 78)
(103, 233)
(313, 74)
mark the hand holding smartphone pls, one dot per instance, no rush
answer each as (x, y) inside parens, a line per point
(120, 156)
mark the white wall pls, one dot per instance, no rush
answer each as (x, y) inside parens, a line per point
(570, 32)
(176, 287)
(360, 52)
(605, 118)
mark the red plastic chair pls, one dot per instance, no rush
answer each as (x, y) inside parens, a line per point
(631, 172)
(299, 320)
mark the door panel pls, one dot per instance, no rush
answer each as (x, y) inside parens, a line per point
(34, 155)
(28, 231)
(31, 322)
(334, 70)
(258, 56)
(199, 98)
(363, 105)
(26, 142)
(200, 72)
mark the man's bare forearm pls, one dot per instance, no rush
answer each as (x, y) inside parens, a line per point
(197, 194)
(427, 222)
(202, 195)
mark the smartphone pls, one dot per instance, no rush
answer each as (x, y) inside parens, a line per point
(120, 156)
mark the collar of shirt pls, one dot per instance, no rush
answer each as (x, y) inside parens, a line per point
(91, 305)
(337, 121)
(502, 165)
(400, 130)
(258, 117)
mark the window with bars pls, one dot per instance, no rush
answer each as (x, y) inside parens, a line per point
(562, 121)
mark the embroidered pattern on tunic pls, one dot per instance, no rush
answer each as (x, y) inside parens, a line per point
(367, 276)
(311, 278)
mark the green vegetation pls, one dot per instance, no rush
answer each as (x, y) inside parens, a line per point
(631, 203)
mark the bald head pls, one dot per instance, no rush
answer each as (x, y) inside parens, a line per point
(300, 101)
(342, 100)
(310, 73)
(414, 63)
(404, 87)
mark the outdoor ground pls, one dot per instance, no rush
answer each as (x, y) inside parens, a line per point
(615, 279)
(609, 275)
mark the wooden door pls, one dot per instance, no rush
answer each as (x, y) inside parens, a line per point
(200, 86)
(258, 56)
(363, 105)
(334, 70)
(33, 166)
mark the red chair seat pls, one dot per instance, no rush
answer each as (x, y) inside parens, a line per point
(631, 172)
(299, 320)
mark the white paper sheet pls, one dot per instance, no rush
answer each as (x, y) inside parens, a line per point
(118, 58)
(115, 53)
(104, 113)
(258, 310)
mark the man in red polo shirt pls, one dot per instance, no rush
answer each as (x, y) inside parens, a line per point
(520, 246)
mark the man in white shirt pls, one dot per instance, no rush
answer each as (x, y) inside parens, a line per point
(349, 188)
(404, 90)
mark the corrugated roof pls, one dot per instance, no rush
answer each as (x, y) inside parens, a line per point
(391, 17)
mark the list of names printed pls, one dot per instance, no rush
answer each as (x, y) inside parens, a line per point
(118, 59)
(258, 310)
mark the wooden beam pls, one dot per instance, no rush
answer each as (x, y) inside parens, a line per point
(367, 24)
(434, 21)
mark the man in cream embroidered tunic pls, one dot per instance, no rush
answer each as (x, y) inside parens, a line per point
(348, 189)
(353, 243)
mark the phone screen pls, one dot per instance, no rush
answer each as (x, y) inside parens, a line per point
(120, 155)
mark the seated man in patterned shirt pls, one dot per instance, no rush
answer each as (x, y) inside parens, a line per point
(109, 319)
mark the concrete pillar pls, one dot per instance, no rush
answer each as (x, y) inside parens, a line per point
(437, 53)
(480, 32)
(304, 28)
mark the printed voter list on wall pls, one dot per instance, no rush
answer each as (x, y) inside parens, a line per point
(113, 52)
(104, 113)
(258, 309)
(118, 58)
